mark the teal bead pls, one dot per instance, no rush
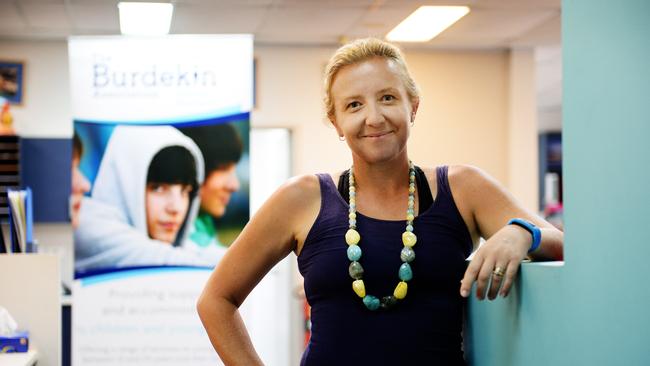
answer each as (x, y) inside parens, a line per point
(354, 253)
(405, 272)
(407, 255)
(371, 302)
(355, 270)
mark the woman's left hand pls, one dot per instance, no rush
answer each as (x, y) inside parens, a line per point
(499, 259)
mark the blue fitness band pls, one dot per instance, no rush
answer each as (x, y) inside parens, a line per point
(532, 229)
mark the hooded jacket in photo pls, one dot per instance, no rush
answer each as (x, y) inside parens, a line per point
(112, 229)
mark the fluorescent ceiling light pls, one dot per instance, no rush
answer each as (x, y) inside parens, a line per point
(426, 22)
(145, 19)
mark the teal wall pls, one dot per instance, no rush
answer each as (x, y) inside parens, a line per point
(594, 309)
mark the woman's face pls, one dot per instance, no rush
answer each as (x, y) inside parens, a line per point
(167, 206)
(372, 109)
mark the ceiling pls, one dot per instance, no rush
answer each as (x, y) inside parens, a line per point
(491, 24)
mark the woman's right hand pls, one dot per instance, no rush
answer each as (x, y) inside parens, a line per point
(279, 227)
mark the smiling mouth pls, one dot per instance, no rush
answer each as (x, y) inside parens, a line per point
(377, 135)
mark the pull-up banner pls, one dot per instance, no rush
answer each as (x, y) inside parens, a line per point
(160, 189)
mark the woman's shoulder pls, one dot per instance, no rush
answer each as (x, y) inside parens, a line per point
(463, 176)
(299, 189)
(465, 171)
(462, 180)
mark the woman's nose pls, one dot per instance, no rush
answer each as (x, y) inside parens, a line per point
(374, 115)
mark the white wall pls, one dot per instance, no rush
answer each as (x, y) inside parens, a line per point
(523, 143)
(45, 111)
(462, 117)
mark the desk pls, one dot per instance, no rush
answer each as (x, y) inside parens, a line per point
(28, 358)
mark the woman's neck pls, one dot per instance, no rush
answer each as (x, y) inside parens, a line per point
(386, 177)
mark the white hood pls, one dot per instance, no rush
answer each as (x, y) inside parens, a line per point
(122, 177)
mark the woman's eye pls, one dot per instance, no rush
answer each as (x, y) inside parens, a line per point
(388, 97)
(353, 105)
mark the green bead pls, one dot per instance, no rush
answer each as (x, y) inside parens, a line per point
(407, 255)
(371, 302)
(388, 302)
(354, 252)
(355, 270)
(405, 272)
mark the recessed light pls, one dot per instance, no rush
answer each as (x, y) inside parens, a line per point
(426, 22)
(145, 19)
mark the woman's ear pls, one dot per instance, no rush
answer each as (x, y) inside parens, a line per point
(336, 126)
(415, 103)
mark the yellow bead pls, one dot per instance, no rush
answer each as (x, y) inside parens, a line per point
(411, 189)
(352, 237)
(409, 217)
(400, 290)
(359, 288)
(409, 239)
(352, 215)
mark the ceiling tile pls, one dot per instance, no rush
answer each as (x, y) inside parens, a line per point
(10, 18)
(40, 2)
(225, 2)
(519, 4)
(89, 17)
(49, 16)
(378, 21)
(309, 20)
(325, 4)
(547, 33)
(504, 24)
(190, 18)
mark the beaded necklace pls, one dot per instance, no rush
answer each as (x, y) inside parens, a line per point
(407, 255)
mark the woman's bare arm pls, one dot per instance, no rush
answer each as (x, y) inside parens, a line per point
(491, 207)
(278, 228)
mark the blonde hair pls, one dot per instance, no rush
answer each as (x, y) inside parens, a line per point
(361, 50)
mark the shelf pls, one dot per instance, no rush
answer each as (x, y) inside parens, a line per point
(28, 358)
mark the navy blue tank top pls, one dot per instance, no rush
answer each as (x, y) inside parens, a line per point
(425, 327)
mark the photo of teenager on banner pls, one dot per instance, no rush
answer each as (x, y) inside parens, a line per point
(143, 201)
(222, 148)
(80, 184)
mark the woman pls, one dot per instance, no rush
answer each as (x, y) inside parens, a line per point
(376, 296)
(141, 202)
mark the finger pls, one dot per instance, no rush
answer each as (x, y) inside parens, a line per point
(509, 278)
(470, 275)
(483, 278)
(496, 281)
